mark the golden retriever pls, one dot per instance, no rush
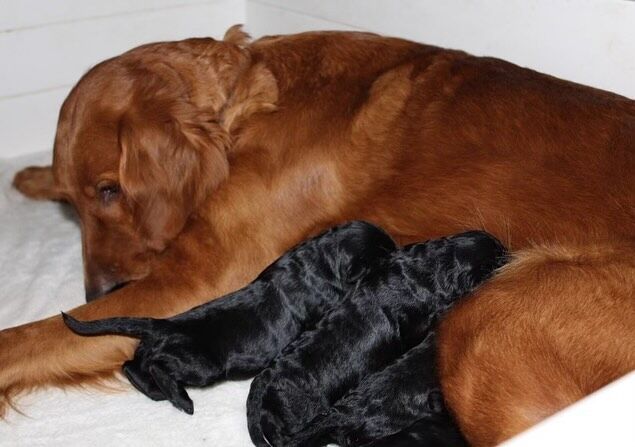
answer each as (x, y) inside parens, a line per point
(194, 164)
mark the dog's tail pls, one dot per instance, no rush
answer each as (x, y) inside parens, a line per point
(134, 327)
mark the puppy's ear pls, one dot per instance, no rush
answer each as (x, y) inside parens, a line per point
(171, 389)
(36, 182)
(173, 155)
(142, 381)
(363, 248)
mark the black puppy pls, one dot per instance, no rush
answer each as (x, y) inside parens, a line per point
(406, 393)
(389, 313)
(238, 335)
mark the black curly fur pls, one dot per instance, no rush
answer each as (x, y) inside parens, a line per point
(367, 370)
(339, 331)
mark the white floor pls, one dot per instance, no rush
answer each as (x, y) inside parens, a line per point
(605, 418)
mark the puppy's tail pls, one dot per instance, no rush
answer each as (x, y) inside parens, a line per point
(134, 327)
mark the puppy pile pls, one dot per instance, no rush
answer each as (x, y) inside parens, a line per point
(339, 330)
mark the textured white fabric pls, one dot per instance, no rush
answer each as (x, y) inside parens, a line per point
(40, 275)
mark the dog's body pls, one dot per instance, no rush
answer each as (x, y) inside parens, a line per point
(354, 315)
(553, 326)
(195, 164)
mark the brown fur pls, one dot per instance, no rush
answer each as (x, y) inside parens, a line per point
(227, 153)
(554, 326)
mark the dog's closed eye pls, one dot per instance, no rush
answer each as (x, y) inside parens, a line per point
(108, 192)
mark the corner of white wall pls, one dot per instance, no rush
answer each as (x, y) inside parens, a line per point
(587, 41)
(46, 46)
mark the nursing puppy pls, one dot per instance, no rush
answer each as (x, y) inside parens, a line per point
(405, 392)
(358, 344)
(238, 335)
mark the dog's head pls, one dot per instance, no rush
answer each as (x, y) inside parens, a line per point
(142, 142)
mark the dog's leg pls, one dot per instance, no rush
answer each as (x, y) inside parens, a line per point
(47, 353)
(567, 313)
(238, 335)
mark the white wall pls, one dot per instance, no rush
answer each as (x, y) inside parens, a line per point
(587, 41)
(45, 46)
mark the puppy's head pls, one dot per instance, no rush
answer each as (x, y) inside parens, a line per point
(142, 142)
(459, 263)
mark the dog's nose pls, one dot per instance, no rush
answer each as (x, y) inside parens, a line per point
(101, 287)
(101, 278)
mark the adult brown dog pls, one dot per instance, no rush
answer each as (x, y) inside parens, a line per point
(194, 164)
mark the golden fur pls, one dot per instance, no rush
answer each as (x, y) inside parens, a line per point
(554, 326)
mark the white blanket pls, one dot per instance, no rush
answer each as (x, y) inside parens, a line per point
(41, 274)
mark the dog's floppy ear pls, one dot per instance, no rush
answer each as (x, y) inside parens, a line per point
(172, 156)
(37, 182)
(175, 137)
(255, 91)
(142, 380)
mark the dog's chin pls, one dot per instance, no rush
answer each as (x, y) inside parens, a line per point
(95, 293)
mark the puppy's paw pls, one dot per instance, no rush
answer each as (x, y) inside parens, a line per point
(280, 404)
(156, 381)
(163, 365)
